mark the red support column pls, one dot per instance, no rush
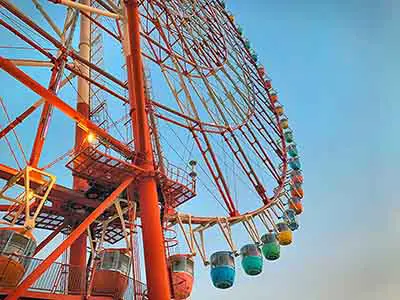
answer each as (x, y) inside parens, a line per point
(153, 239)
(78, 250)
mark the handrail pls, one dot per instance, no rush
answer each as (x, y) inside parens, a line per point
(60, 276)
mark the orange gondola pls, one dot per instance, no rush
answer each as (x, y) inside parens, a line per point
(110, 275)
(181, 268)
(16, 246)
(296, 205)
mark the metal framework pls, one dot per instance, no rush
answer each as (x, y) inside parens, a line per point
(218, 97)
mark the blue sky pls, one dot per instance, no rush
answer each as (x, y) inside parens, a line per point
(335, 66)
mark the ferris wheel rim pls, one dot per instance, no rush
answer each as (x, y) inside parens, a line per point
(204, 220)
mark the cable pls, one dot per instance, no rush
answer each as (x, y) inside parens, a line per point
(204, 171)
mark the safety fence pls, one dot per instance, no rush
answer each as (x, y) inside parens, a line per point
(65, 279)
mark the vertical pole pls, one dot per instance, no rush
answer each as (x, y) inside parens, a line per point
(153, 239)
(77, 256)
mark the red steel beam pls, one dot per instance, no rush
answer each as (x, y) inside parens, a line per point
(153, 240)
(25, 79)
(45, 264)
(74, 70)
(15, 11)
(49, 238)
(45, 118)
(18, 120)
(27, 40)
(101, 26)
(52, 58)
(5, 207)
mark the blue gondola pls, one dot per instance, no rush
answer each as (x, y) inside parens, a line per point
(291, 219)
(223, 269)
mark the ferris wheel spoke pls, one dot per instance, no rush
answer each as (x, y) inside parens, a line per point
(209, 157)
(242, 114)
(244, 162)
(179, 41)
(242, 158)
(268, 118)
(212, 115)
(246, 165)
(270, 140)
(222, 111)
(177, 95)
(260, 93)
(259, 150)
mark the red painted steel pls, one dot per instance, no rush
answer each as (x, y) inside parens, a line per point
(18, 120)
(153, 240)
(48, 239)
(10, 68)
(75, 234)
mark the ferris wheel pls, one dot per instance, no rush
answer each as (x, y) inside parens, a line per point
(177, 134)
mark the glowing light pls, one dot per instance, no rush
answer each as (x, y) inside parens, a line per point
(91, 138)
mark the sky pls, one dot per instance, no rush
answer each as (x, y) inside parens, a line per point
(335, 66)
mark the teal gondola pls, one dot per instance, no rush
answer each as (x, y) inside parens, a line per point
(247, 44)
(254, 55)
(252, 261)
(292, 150)
(294, 163)
(223, 269)
(271, 248)
(289, 136)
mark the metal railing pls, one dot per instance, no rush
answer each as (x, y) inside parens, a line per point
(65, 279)
(179, 175)
(59, 278)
